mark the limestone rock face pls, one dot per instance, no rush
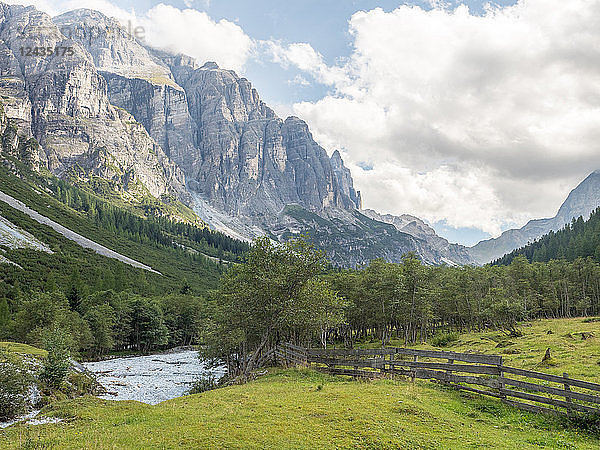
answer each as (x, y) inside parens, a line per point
(248, 160)
(344, 179)
(62, 101)
(137, 81)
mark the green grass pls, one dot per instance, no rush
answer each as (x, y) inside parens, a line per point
(300, 409)
(578, 357)
(23, 349)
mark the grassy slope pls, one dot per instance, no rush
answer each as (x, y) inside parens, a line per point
(578, 357)
(300, 409)
(24, 349)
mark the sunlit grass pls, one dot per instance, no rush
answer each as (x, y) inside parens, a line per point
(16, 347)
(579, 357)
(301, 409)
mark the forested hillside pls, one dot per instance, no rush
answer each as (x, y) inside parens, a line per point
(579, 239)
(97, 303)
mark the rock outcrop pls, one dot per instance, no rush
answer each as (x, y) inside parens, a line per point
(62, 101)
(344, 179)
(438, 248)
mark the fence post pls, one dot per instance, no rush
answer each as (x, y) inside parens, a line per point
(501, 379)
(413, 373)
(449, 372)
(567, 392)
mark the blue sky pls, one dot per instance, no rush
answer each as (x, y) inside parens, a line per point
(321, 23)
(474, 118)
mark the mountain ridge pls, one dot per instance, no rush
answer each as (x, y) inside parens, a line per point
(581, 201)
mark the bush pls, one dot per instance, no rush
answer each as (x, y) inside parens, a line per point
(81, 383)
(56, 366)
(15, 381)
(444, 339)
(203, 384)
(587, 422)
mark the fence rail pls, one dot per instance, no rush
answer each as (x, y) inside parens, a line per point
(482, 374)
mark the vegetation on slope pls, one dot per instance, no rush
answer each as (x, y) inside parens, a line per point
(102, 303)
(301, 409)
(579, 239)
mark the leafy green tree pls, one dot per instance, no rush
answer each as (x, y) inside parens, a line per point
(56, 365)
(326, 307)
(147, 327)
(4, 313)
(101, 320)
(184, 316)
(265, 300)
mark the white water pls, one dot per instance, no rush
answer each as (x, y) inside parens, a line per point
(151, 379)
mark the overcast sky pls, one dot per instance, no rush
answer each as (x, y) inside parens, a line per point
(475, 117)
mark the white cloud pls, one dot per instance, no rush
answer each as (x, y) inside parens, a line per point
(194, 33)
(305, 58)
(479, 120)
(299, 80)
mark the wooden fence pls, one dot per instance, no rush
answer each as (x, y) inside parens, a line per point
(482, 374)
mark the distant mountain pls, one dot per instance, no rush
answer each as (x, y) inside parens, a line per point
(446, 253)
(582, 200)
(578, 239)
(140, 123)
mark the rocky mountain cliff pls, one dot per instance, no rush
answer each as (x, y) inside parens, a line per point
(157, 123)
(62, 101)
(581, 202)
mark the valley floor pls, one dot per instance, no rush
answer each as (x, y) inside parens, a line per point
(300, 408)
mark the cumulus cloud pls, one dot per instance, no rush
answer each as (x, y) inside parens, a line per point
(194, 33)
(186, 31)
(480, 120)
(304, 57)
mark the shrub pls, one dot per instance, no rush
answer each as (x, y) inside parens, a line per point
(81, 383)
(204, 383)
(444, 339)
(56, 366)
(15, 381)
(587, 422)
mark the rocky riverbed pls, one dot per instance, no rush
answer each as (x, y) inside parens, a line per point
(151, 379)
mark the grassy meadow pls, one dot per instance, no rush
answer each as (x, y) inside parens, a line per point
(570, 352)
(300, 408)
